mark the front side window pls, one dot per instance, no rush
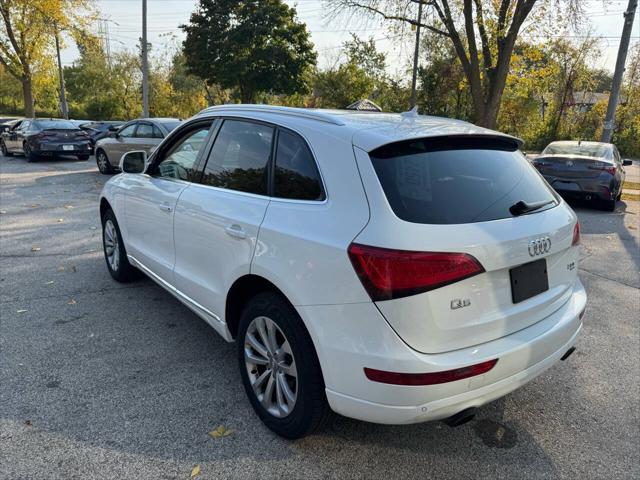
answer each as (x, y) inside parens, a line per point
(128, 131)
(456, 180)
(296, 173)
(239, 157)
(180, 160)
(144, 131)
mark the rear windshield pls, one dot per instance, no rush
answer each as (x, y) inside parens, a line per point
(55, 125)
(575, 149)
(451, 180)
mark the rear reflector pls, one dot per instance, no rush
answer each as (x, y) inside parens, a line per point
(433, 378)
(388, 274)
(576, 235)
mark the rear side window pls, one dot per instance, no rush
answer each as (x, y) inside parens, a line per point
(144, 131)
(157, 133)
(296, 173)
(453, 180)
(239, 157)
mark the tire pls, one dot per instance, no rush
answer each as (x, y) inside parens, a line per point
(115, 253)
(103, 162)
(309, 409)
(3, 149)
(29, 154)
(609, 205)
(83, 157)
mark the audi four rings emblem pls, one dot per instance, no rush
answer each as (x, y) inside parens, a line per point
(539, 246)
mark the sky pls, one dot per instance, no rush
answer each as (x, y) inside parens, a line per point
(123, 21)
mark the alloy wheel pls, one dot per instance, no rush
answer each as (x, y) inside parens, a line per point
(3, 148)
(271, 366)
(102, 162)
(111, 245)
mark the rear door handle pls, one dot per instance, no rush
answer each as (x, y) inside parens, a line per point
(165, 208)
(236, 231)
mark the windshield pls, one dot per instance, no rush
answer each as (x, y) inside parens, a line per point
(584, 149)
(456, 180)
(55, 125)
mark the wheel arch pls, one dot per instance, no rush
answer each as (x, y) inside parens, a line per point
(241, 291)
(104, 206)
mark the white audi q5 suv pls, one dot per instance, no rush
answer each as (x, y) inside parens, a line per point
(393, 268)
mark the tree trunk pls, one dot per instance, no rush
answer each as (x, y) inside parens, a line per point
(27, 94)
(246, 95)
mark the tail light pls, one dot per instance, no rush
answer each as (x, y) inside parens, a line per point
(387, 274)
(607, 167)
(576, 235)
(433, 378)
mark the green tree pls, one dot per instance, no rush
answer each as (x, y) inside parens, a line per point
(254, 46)
(482, 33)
(339, 87)
(26, 36)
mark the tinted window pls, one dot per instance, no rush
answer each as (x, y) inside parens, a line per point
(449, 180)
(180, 160)
(144, 131)
(157, 133)
(170, 125)
(239, 157)
(128, 130)
(55, 125)
(296, 174)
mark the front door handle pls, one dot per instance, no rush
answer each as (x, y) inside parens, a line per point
(236, 231)
(165, 208)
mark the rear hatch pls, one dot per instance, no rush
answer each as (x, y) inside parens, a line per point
(491, 267)
(570, 167)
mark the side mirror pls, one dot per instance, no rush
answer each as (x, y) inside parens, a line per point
(626, 163)
(134, 161)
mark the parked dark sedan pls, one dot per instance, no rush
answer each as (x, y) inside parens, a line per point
(585, 170)
(36, 138)
(98, 130)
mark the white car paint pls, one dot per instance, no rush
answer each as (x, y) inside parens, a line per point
(301, 247)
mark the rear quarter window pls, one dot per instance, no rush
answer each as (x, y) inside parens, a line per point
(453, 180)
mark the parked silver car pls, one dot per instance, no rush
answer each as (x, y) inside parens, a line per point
(141, 134)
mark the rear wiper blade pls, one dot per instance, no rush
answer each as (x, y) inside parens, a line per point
(523, 207)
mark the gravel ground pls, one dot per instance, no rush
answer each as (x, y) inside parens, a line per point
(101, 380)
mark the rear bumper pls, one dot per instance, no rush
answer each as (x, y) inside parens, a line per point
(602, 188)
(370, 342)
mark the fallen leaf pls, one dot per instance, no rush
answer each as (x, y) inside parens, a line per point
(21, 311)
(49, 283)
(34, 205)
(68, 207)
(93, 228)
(61, 268)
(35, 249)
(195, 471)
(60, 220)
(27, 423)
(71, 302)
(73, 268)
(631, 227)
(220, 432)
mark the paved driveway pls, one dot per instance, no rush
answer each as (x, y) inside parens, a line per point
(101, 380)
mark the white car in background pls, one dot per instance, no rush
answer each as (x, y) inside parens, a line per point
(393, 268)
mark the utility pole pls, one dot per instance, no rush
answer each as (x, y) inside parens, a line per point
(609, 120)
(414, 78)
(63, 98)
(145, 63)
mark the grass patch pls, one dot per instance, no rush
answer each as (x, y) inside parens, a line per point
(632, 185)
(632, 197)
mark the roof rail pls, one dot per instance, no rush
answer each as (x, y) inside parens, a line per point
(295, 112)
